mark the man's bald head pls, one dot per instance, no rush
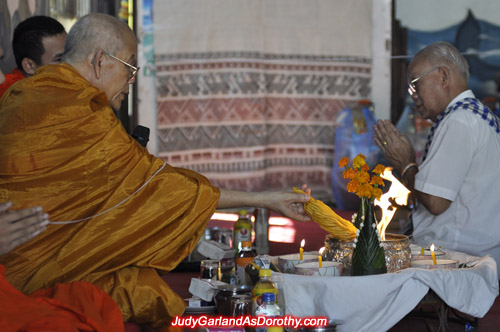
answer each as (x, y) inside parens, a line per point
(95, 31)
(103, 50)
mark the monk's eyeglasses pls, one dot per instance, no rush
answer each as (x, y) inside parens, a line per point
(133, 69)
(413, 83)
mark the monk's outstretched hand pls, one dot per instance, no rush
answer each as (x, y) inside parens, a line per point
(289, 205)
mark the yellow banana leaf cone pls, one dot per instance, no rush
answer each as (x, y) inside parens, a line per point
(327, 219)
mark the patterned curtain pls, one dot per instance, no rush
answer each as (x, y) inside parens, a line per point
(248, 90)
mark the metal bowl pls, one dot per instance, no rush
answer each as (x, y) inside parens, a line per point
(396, 247)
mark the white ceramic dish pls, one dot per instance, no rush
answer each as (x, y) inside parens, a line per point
(327, 269)
(440, 264)
(286, 263)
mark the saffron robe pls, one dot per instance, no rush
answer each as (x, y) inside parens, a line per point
(10, 79)
(62, 147)
(76, 306)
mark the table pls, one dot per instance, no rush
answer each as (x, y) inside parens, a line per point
(377, 302)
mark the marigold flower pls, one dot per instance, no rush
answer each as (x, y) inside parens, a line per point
(379, 169)
(377, 180)
(365, 190)
(353, 186)
(358, 161)
(365, 167)
(363, 177)
(343, 162)
(377, 193)
(349, 173)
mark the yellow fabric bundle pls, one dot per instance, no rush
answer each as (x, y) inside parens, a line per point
(331, 222)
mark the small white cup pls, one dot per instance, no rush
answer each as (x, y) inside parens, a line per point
(286, 263)
(327, 269)
(416, 255)
(440, 264)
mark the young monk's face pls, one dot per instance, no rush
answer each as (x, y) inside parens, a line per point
(54, 48)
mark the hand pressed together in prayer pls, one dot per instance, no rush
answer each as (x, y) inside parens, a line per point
(19, 226)
(397, 147)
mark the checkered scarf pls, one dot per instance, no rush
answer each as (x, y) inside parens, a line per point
(471, 104)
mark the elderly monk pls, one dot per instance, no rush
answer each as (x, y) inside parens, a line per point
(456, 185)
(124, 215)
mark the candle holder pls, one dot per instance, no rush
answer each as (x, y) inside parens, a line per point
(440, 264)
(327, 269)
(416, 255)
(287, 263)
(396, 247)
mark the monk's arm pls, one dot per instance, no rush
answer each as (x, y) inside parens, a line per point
(288, 204)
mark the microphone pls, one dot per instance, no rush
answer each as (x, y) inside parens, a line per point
(141, 135)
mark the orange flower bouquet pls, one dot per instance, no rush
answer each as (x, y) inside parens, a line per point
(368, 256)
(360, 181)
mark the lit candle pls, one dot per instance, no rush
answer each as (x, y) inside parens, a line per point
(320, 257)
(433, 255)
(422, 251)
(301, 250)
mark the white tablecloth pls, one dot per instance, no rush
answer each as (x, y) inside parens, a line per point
(377, 302)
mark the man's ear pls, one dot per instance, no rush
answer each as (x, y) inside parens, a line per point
(445, 75)
(96, 63)
(29, 66)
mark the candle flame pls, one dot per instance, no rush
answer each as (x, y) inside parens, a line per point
(398, 192)
(433, 255)
(302, 243)
(321, 250)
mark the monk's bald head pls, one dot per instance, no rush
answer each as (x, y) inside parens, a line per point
(95, 31)
(103, 50)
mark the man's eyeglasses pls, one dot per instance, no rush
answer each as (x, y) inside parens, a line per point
(413, 83)
(133, 69)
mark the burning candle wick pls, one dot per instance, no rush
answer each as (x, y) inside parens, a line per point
(433, 255)
(320, 258)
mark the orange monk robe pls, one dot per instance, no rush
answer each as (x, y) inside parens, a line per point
(63, 148)
(77, 306)
(10, 79)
